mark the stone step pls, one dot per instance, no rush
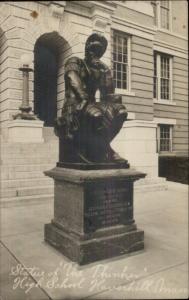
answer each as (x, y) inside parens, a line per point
(28, 150)
(32, 153)
(149, 181)
(11, 149)
(150, 187)
(25, 200)
(42, 190)
(25, 145)
(6, 169)
(177, 186)
(24, 182)
(150, 184)
(27, 191)
(20, 160)
(20, 175)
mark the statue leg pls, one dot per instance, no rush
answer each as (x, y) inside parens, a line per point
(120, 116)
(114, 117)
(92, 134)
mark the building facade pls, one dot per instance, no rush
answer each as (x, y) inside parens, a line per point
(147, 52)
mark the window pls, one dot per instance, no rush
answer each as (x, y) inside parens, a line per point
(162, 13)
(162, 79)
(165, 138)
(155, 92)
(154, 6)
(165, 77)
(120, 60)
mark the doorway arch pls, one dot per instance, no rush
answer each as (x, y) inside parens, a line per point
(48, 62)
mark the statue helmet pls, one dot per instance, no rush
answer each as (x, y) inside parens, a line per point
(98, 43)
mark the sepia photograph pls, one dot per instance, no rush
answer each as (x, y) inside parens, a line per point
(94, 154)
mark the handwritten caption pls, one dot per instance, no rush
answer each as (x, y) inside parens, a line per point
(68, 276)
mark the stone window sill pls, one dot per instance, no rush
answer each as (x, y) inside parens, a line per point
(165, 102)
(169, 31)
(168, 153)
(124, 92)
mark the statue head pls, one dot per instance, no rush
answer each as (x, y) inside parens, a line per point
(95, 47)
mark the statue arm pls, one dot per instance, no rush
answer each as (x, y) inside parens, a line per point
(107, 85)
(74, 83)
(107, 89)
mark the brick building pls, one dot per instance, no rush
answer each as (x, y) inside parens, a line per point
(147, 52)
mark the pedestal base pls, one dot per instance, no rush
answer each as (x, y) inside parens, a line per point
(87, 251)
(93, 214)
(94, 166)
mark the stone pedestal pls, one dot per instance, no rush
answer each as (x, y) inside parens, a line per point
(25, 131)
(93, 214)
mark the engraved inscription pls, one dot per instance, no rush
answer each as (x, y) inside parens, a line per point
(108, 205)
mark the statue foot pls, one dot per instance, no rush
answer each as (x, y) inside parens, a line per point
(83, 159)
(115, 157)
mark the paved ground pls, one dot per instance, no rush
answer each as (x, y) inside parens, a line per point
(31, 269)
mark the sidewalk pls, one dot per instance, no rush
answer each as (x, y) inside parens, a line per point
(158, 272)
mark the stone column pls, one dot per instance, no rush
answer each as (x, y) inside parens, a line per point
(25, 127)
(25, 109)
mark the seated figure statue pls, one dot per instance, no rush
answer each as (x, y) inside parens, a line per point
(86, 127)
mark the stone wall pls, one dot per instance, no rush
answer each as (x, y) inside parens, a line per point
(141, 79)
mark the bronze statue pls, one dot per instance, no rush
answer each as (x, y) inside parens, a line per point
(87, 127)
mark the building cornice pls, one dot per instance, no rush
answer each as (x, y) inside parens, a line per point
(143, 7)
(133, 28)
(58, 3)
(107, 5)
(165, 121)
(170, 49)
(100, 13)
(144, 28)
(171, 33)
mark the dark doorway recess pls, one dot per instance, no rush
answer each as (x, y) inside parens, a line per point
(45, 82)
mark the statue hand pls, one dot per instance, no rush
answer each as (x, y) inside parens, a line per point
(118, 99)
(81, 105)
(58, 125)
(114, 98)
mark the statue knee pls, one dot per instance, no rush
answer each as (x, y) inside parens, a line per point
(122, 114)
(94, 113)
(97, 120)
(97, 115)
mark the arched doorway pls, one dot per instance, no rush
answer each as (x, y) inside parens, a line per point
(48, 60)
